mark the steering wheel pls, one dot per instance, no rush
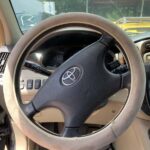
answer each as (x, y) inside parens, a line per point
(78, 86)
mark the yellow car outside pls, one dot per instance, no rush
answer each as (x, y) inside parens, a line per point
(134, 25)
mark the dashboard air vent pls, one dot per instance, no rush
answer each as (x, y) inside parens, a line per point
(3, 60)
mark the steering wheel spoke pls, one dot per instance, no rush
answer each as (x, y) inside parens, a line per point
(29, 109)
(71, 132)
(126, 80)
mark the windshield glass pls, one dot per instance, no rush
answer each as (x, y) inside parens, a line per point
(133, 16)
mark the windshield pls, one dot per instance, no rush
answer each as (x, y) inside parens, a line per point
(133, 16)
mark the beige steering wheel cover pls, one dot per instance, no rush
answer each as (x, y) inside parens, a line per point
(110, 132)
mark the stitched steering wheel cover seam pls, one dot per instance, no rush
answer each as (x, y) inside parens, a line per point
(110, 132)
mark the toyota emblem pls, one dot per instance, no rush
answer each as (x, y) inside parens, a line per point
(71, 76)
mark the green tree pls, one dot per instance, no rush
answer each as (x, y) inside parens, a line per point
(112, 10)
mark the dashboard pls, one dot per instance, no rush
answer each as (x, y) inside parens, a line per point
(44, 60)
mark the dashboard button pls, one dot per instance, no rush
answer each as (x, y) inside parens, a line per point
(37, 84)
(21, 84)
(29, 84)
